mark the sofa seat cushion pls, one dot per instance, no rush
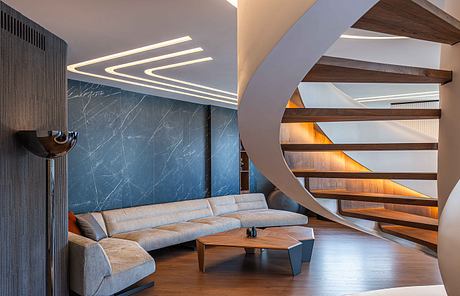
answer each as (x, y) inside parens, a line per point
(130, 263)
(219, 224)
(189, 231)
(152, 238)
(268, 218)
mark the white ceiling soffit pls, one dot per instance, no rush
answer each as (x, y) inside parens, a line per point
(197, 63)
(206, 63)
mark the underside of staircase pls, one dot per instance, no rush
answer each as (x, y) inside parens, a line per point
(417, 19)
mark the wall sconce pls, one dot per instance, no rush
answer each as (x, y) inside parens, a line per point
(49, 145)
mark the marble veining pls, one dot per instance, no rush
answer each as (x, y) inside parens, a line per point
(137, 149)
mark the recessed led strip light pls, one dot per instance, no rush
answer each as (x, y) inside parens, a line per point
(74, 68)
(151, 71)
(406, 96)
(361, 37)
(112, 70)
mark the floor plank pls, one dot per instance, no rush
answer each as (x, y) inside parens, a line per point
(344, 261)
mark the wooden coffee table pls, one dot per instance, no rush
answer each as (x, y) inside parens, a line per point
(297, 240)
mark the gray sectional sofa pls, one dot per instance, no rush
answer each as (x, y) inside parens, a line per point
(121, 259)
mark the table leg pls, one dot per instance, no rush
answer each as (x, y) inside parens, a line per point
(200, 248)
(307, 251)
(250, 250)
(295, 258)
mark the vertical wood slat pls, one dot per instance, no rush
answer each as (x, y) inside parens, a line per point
(428, 127)
(32, 85)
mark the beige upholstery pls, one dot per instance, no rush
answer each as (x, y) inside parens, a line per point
(89, 265)
(99, 219)
(268, 217)
(220, 223)
(151, 238)
(232, 203)
(130, 263)
(172, 234)
(136, 218)
(114, 263)
(107, 266)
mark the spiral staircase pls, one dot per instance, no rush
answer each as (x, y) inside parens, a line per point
(267, 92)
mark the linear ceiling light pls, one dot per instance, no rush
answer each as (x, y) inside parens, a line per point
(233, 2)
(361, 37)
(112, 70)
(406, 96)
(151, 71)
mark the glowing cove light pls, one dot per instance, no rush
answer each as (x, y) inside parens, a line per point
(173, 85)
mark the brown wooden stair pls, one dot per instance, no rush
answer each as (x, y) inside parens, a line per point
(334, 69)
(375, 197)
(392, 217)
(359, 147)
(356, 114)
(418, 19)
(365, 175)
(423, 237)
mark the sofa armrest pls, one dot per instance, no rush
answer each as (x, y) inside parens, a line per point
(88, 265)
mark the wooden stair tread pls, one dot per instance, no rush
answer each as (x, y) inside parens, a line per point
(376, 197)
(334, 69)
(418, 19)
(365, 175)
(392, 217)
(359, 147)
(356, 114)
(423, 237)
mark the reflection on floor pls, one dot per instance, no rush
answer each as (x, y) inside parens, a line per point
(344, 261)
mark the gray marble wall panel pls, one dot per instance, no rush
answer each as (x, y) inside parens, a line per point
(134, 149)
(224, 152)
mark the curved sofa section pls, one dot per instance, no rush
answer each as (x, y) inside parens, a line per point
(270, 71)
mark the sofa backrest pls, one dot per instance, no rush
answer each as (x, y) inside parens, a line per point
(232, 203)
(136, 218)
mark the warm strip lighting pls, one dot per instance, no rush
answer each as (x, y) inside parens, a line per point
(233, 2)
(129, 52)
(113, 70)
(151, 71)
(399, 96)
(359, 37)
(74, 68)
(169, 85)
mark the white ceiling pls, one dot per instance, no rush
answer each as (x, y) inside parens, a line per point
(95, 28)
(101, 27)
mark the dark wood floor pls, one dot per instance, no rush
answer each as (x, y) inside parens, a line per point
(344, 261)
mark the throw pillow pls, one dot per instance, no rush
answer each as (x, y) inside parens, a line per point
(90, 228)
(73, 227)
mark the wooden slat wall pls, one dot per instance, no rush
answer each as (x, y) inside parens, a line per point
(33, 96)
(428, 127)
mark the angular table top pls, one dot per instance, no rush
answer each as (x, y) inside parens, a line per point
(266, 239)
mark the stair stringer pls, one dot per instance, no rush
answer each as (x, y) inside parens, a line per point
(264, 93)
